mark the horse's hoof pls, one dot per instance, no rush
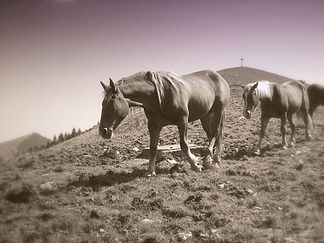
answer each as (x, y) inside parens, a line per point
(197, 168)
(292, 144)
(212, 166)
(284, 147)
(257, 152)
(207, 162)
(208, 166)
(150, 174)
(217, 160)
(216, 165)
(308, 138)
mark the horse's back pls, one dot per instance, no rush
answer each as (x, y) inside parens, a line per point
(201, 91)
(207, 81)
(316, 94)
(292, 95)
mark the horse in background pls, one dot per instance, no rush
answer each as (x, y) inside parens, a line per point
(277, 101)
(169, 99)
(316, 97)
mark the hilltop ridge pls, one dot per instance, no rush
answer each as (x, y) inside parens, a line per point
(244, 75)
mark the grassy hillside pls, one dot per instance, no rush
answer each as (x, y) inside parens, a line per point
(88, 189)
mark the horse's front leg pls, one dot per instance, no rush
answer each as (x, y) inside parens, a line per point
(283, 130)
(183, 129)
(154, 131)
(264, 124)
(309, 123)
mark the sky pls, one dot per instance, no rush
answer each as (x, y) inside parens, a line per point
(53, 53)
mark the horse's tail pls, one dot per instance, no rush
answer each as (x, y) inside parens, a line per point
(303, 111)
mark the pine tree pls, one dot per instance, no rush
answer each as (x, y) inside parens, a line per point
(48, 144)
(60, 138)
(54, 139)
(67, 136)
(78, 132)
(73, 133)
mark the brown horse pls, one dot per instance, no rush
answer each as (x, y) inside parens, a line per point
(316, 97)
(169, 99)
(279, 101)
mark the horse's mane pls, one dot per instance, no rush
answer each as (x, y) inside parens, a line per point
(162, 80)
(136, 76)
(263, 90)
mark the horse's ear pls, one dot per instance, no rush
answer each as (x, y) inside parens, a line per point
(112, 85)
(103, 85)
(242, 86)
(255, 86)
(148, 76)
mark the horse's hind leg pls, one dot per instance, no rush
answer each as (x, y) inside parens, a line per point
(283, 130)
(213, 126)
(219, 136)
(207, 123)
(293, 131)
(183, 129)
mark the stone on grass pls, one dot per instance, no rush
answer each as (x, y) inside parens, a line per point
(184, 235)
(48, 188)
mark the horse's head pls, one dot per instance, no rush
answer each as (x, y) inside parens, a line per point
(114, 109)
(250, 98)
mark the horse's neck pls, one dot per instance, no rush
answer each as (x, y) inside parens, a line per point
(139, 91)
(264, 91)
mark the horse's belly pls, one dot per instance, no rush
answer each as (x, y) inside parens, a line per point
(295, 103)
(197, 110)
(196, 116)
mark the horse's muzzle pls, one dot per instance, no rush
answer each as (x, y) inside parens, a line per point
(106, 133)
(247, 114)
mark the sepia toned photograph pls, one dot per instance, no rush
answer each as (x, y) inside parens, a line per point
(167, 121)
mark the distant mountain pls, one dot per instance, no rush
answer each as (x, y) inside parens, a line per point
(22, 144)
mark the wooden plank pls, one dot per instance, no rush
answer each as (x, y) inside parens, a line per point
(174, 149)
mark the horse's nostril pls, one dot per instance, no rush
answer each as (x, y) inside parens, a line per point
(105, 130)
